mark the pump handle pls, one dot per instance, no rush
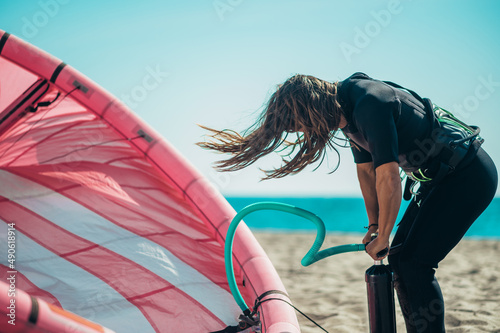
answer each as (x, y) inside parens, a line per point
(381, 253)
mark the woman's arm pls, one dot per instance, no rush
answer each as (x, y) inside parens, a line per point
(367, 183)
(388, 189)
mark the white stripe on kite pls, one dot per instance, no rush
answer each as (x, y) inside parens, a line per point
(85, 223)
(77, 290)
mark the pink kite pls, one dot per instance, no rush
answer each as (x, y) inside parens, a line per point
(103, 219)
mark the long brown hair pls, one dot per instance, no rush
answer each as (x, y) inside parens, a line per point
(303, 103)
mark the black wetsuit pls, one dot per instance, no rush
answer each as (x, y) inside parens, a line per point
(390, 125)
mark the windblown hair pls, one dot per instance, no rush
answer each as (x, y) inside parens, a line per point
(303, 103)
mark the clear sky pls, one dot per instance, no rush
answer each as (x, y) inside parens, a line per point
(215, 62)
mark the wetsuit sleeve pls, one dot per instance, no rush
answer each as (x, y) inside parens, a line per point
(375, 121)
(360, 154)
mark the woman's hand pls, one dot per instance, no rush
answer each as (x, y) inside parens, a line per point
(378, 244)
(371, 230)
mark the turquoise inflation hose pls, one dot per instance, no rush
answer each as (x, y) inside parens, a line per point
(311, 256)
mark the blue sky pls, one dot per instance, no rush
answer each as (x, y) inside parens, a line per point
(215, 62)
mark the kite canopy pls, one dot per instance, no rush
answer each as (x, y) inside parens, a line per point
(110, 221)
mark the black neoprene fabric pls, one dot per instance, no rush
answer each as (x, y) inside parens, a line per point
(386, 124)
(429, 231)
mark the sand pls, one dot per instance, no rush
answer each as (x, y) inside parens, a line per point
(333, 291)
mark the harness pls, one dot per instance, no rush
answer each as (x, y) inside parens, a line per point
(455, 143)
(462, 144)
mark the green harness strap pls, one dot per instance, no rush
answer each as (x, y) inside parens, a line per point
(471, 138)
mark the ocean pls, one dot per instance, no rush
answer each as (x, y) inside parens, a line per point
(343, 215)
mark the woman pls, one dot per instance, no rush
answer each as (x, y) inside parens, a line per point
(388, 127)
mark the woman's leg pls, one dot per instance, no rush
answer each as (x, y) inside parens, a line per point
(430, 232)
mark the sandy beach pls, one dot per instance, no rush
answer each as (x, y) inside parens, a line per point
(333, 291)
